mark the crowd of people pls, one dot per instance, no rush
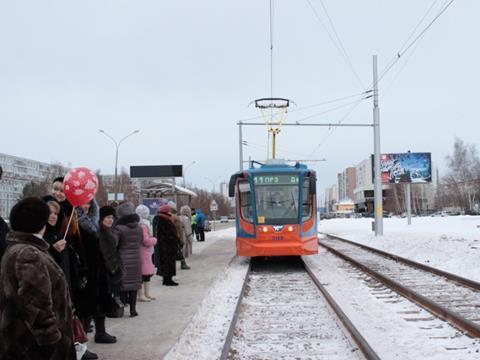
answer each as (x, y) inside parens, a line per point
(61, 265)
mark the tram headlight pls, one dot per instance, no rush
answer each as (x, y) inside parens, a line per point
(264, 229)
(290, 228)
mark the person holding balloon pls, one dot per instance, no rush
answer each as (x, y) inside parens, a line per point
(77, 188)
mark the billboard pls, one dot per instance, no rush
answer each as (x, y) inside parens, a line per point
(415, 168)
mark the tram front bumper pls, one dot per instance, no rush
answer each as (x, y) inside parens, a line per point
(255, 247)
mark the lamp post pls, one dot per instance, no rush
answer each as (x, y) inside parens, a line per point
(184, 171)
(117, 145)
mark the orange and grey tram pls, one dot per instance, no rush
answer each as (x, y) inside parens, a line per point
(275, 209)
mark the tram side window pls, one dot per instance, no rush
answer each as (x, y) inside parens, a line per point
(307, 200)
(245, 201)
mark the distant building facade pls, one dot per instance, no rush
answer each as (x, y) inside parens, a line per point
(17, 172)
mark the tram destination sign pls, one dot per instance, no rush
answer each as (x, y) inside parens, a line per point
(276, 179)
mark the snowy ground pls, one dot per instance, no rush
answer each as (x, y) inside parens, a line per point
(206, 333)
(449, 243)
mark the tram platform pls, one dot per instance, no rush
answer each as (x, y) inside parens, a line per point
(160, 322)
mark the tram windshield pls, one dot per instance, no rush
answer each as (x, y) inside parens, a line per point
(277, 199)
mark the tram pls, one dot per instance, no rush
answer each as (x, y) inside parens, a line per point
(275, 209)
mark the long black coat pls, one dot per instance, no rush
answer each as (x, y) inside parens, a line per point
(111, 259)
(35, 312)
(130, 237)
(167, 244)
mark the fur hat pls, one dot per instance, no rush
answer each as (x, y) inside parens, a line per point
(164, 209)
(29, 215)
(127, 208)
(106, 211)
(142, 211)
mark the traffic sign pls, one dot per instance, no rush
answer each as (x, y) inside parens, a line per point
(213, 206)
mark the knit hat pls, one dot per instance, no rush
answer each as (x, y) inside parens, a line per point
(164, 209)
(142, 211)
(127, 208)
(29, 215)
(106, 211)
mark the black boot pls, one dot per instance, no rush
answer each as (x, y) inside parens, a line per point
(184, 265)
(89, 355)
(101, 336)
(133, 303)
(167, 281)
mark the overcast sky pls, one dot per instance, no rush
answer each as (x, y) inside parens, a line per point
(184, 72)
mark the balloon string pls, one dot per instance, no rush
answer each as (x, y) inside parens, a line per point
(69, 222)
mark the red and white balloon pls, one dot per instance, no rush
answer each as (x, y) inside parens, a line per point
(80, 186)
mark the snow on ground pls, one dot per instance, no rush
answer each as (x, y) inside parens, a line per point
(205, 335)
(394, 327)
(449, 243)
(212, 237)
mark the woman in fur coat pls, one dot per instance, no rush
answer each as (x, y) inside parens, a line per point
(146, 250)
(35, 311)
(130, 236)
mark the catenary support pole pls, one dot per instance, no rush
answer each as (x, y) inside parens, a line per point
(408, 202)
(376, 158)
(240, 145)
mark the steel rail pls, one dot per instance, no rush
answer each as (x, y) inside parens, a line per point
(363, 345)
(467, 282)
(456, 320)
(233, 323)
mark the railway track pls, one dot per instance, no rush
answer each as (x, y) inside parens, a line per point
(450, 297)
(285, 313)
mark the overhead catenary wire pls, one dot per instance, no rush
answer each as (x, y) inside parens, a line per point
(401, 52)
(337, 43)
(334, 109)
(395, 57)
(325, 138)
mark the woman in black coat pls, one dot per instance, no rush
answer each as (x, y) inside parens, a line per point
(111, 259)
(96, 298)
(167, 244)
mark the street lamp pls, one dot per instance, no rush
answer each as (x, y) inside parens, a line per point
(117, 145)
(185, 169)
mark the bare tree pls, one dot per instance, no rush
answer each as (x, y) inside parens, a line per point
(102, 195)
(461, 186)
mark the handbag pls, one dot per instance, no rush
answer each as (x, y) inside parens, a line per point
(79, 334)
(178, 253)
